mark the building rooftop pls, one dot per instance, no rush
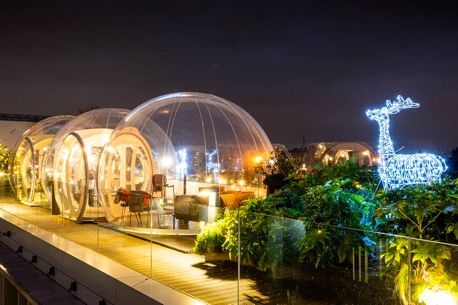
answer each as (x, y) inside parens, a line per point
(22, 117)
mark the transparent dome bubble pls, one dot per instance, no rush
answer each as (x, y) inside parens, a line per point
(332, 153)
(217, 141)
(26, 170)
(202, 137)
(72, 161)
(129, 161)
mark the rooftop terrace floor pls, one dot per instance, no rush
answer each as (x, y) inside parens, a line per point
(210, 282)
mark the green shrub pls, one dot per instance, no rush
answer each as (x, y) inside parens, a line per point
(211, 239)
(5, 155)
(420, 212)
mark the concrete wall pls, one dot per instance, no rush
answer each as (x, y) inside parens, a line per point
(97, 277)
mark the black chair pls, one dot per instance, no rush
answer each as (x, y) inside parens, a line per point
(122, 197)
(136, 205)
(160, 185)
(140, 201)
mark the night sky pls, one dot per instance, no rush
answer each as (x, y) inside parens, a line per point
(303, 70)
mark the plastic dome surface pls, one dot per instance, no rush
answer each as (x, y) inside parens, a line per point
(129, 161)
(334, 152)
(216, 140)
(72, 161)
(26, 161)
(207, 139)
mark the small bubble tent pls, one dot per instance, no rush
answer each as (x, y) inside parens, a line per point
(26, 162)
(191, 141)
(334, 152)
(71, 162)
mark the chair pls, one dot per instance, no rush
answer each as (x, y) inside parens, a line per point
(160, 185)
(122, 197)
(136, 205)
(140, 202)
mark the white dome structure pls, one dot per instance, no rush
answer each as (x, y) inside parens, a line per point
(334, 152)
(72, 162)
(194, 140)
(26, 162)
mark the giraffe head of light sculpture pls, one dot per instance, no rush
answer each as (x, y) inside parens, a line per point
(399, 170)
(391, 108)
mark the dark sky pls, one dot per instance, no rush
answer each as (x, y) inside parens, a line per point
(301, 69)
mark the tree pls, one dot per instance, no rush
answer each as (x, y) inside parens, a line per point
(88, 108)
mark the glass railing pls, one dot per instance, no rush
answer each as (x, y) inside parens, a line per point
(306, 262)
(271, 260)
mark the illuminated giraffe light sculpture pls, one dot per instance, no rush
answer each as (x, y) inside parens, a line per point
(398, 170)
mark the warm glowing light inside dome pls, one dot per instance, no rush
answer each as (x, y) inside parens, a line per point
(167, 161)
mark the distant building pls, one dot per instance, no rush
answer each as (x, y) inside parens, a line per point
(12, 126)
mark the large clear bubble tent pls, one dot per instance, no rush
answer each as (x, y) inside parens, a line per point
(190, 141)
(73, 157)
(26, 163)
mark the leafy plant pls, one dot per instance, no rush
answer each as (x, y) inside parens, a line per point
(335, 206)
(427, 267)
(277, 180)
(277, 168)
(211, 239)
(420, 213)
(5, 155)
(269, 240)
(265, 242)
(328, 210)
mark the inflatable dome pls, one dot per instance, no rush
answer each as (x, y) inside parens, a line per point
(129, 161)
(26, 162)
(332, 153)
(71, 162)
(185, 142)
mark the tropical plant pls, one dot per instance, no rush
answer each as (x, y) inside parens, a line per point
(277, 168)
(337, 206)
(211, 239)
(269, 240)
(331, 212)
(421, 213)
(5, 155)
(87, 108)
(424, 210)
(266, 242)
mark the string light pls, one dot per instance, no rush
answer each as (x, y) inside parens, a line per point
(398, 170)
(182, 167)
(212, 166)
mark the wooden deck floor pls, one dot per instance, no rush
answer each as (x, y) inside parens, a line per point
(188, 273)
